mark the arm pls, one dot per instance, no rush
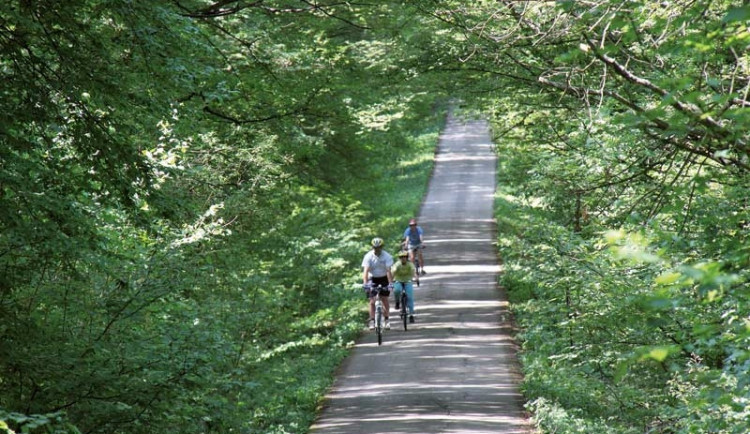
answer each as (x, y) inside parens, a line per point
(365, 268)
(365, 274)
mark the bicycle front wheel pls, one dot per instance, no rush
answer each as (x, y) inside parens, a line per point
(379, 325)
(404, 315)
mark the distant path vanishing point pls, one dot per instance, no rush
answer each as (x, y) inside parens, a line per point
(455, 370)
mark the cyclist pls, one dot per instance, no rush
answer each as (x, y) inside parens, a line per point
(414, 241)
(376, 266)
(403, 272)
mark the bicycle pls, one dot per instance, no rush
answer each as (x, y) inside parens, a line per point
(415, 255)
(404, 301)
(375, 291)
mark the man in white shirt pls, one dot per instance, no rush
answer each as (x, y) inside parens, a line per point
(376, 266)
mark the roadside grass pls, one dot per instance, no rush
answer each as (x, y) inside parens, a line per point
(560, 396)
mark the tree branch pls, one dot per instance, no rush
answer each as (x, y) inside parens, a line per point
(691, 110)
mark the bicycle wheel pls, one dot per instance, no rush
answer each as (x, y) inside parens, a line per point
(404, 300)
(379, 324)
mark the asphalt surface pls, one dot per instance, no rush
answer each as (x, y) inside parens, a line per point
(455, 370)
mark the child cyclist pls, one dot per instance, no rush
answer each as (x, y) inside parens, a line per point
(403, 272)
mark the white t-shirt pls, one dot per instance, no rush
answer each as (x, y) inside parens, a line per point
(379, 265)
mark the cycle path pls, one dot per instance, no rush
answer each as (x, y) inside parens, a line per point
(455, 370)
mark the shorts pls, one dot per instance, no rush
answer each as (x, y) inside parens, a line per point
(382, 281)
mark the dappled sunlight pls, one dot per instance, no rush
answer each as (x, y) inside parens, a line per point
(462, 135)
(532, 202)
(387, 388)
(412, 339)
(462, 157)
(462, 341)
(464, 222)
(464, 187)
(455, 327)
(458, 282)
(460, 269)
(464, 304)
(427, 406)
(458, 240)
(410, 423)
(410, 419)
(412, 386)
(465, 173)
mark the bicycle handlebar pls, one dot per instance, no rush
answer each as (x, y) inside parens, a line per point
(375, 289)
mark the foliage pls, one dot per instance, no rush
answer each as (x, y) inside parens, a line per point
(53, 423)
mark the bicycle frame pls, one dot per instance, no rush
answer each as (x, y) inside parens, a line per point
(414, 252)
(404, 301)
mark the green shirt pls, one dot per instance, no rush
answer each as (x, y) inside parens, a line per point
(402, 272)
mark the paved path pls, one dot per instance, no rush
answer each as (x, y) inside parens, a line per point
(455, 370)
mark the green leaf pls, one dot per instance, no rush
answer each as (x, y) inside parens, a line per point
(668, 278)
(620, 371)
(734, 14)
(658, 353)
